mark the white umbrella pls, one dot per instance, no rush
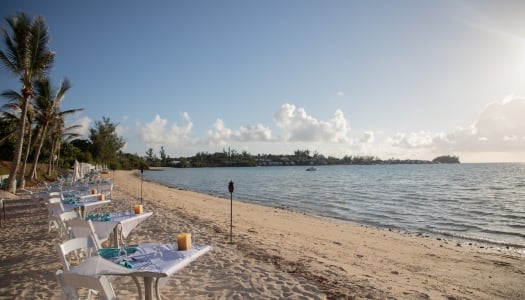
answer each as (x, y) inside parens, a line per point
(82, 171)
(76, 176)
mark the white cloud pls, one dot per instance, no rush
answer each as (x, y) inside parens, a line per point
(299, 126)
(340, 94)
(84, 123)
(367, 138)
(221, 135)
(255, 133)
(157, 133)
(499, 128)
(499, 119)
(419, 139)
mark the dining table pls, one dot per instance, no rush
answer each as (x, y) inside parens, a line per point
(84, 204)
(154, 262)
(120, 223)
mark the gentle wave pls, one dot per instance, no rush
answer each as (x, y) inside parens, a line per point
(476, 202)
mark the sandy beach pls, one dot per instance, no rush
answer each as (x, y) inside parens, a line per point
(275, 254)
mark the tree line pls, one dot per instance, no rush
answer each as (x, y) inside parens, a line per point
(233, 158)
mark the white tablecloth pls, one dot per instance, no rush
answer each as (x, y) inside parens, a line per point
(150, 260)
(127, 222)
(86, 205)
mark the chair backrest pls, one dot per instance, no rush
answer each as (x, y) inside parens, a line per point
(55, 194)
(68, 215)
(55, 208)
(54, 200)
(64, 218)
(83, 228)
(69, 247)
(70, 282)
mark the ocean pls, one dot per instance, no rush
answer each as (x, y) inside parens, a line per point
(480, 203)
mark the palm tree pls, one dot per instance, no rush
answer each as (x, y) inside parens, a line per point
(48, 113)
(30, 118)
(12, 109)
(58, 133)
(28, 57)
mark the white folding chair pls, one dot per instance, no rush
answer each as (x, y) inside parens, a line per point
(82, 228)
(64, 218)
(71, 283)
(74, 247)
(54, 210)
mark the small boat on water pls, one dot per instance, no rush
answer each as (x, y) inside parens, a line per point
(311, 168)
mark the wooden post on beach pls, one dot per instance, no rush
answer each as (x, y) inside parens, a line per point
(230, 189)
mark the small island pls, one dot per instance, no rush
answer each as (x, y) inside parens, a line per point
(446, 159)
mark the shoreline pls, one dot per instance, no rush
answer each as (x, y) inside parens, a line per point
(275, 254)
(369, 251)
(480, 243)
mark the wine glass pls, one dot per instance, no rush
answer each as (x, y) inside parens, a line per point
(122, 251)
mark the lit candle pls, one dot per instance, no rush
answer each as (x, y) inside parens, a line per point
(184, 241)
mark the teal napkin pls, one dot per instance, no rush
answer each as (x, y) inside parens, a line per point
(99, 217)
(93, 217)
(70, 201)
(113, 252)
(126, 264)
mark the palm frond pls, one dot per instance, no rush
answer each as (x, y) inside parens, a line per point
(12, 96)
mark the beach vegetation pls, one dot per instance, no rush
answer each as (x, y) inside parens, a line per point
(12, 110)
(28, 57)
(105, 141)
(7, 137)
(129, 161)
(164, 158)
(70, 153)
(151, 158)
(59, 133)
(49, 118)
(84, 147)
(226, 158)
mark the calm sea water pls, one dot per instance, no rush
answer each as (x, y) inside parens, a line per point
(484, 203)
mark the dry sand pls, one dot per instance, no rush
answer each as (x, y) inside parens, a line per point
(276, 254)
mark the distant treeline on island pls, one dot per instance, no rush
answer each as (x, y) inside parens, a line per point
(232, 158)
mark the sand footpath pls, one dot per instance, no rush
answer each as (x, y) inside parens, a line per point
(276, 254)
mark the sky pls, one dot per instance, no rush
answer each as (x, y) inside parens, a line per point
(403, 79)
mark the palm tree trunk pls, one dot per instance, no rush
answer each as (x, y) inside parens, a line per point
(50, 164)
(58, 148)
(24, 163)
(11, 185)
(33, 174)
